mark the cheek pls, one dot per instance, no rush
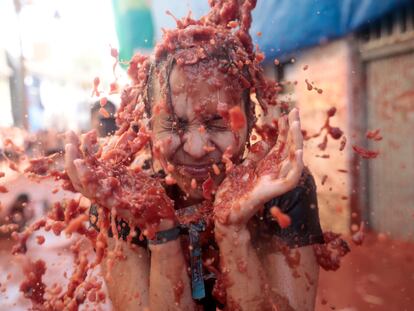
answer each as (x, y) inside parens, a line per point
(166, 143)
(225, 139)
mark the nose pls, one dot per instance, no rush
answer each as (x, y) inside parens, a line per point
(195, 142)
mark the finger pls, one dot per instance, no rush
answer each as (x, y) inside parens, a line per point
(295, 129)
(83, 171)
(269, 188)
(283, 130)
(72, 138)
(279, 151)
(285, 168)
(296, 135)
(71, 154)
(257, 152)
(293, 175)
(89, 145)
(293, 115)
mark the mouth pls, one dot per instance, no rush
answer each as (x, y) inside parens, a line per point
(198, 172)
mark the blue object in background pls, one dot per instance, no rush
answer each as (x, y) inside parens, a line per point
(289, 25)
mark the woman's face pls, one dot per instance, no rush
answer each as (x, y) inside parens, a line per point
(190, 140)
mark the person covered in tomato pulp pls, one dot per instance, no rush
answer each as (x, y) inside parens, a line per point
(223, 214)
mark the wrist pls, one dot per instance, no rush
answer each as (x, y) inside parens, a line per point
(231, 234)
(165, 251)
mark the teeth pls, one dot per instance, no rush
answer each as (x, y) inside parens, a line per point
(193, 184)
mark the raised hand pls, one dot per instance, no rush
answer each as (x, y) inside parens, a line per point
(129, 193)
(265, 174)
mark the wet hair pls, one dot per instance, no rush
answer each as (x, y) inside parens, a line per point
(165, 66)
(222, 36)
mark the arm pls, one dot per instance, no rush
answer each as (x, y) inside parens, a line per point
(241, 195)
(300, 291)
(140, 283)
(243, 272)
(169, 280)
(128, 284)
(160, 283)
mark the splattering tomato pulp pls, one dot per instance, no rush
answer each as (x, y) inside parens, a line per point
(105, 174)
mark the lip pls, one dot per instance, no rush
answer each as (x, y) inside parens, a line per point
(198, 172)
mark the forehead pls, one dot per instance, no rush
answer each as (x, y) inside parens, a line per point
(196, 90)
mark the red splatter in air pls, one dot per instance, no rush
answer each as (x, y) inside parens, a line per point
(335, 132)
(283, 220)
(374, 135)
(33, 287)
(40, 239)
(308, 85)
(365, 153)
(330, 253)
(104, 112)
(342, 143)
(103, 101)
(114, 88)
(358, 237)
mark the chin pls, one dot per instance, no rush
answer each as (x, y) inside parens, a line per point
(184, 182)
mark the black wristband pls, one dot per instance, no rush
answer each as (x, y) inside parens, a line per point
(165, 236)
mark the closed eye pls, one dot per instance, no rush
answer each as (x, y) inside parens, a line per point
(216, 123)
(176, 125)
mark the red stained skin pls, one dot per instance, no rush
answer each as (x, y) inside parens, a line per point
(3, 189)
(208, 188)
(40, 239)
(178, 291)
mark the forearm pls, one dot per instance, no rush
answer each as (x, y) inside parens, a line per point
(170, 287)
(242, 270)
(128, 280)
